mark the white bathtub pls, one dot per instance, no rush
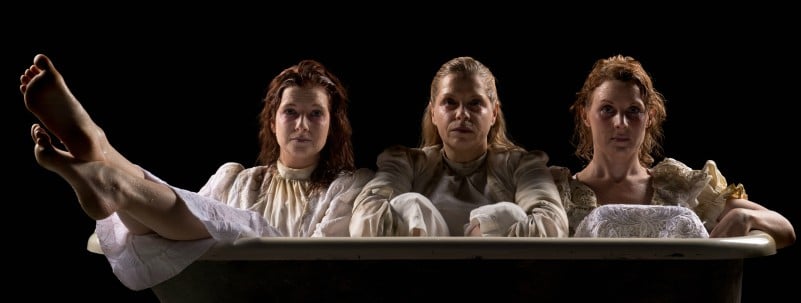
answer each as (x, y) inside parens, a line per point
(394, 269)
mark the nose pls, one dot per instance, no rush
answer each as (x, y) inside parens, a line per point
(462, 113)
(302, 123)
(621, 121)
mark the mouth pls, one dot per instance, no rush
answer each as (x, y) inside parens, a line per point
(462, 129)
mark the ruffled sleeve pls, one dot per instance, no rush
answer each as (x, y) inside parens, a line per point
(675, 183)
(713, 197)
(704, 191)
(578, 199)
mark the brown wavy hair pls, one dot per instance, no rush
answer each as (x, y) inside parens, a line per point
(626, 69)
(336, 157)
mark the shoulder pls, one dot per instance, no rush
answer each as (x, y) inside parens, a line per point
(398, 150)
(560, 174)
(413, 154)
(515, 158)
(350, 181)
(229, 176)
(675, 183)
(226, 173)
(230, 168)
(359, 176)
(241, 173)
(672, 169)
(535, 155)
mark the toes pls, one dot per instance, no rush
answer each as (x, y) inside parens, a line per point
(43, 63)
(40, 135)
(32, 72)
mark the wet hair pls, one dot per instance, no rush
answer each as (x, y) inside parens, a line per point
(336, 157)
(629, 70)
(467, 66)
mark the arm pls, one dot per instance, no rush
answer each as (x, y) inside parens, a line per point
(372, 214)
(537, 194)
(728, 212)
(740, 216)
(338, 201)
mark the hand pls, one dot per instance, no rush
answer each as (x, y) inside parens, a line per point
(734, 223)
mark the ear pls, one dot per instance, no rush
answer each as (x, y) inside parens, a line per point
(495, 110)
(430, 108)
(651, 114)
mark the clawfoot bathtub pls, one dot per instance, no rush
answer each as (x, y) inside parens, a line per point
(473, 269)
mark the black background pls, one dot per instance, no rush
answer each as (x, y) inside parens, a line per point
(178, 92)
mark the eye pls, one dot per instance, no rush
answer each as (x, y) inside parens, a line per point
(317, 113)
(290, 112)
(607, 110)
(634, 110)
(474, 102)
(450, 103)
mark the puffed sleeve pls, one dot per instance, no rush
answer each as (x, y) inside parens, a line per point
(539, 197)
(338, 204)
(218, 186)
(675, 183)
(561, 178)
(372, 214)
(713, 196)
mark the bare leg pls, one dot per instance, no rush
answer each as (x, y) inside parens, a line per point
(50, 100)
(95, 203)
(103, 190)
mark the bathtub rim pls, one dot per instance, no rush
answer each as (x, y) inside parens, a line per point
(756, 244)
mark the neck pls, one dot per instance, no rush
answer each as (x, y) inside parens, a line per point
(298, 163)
(615, 169)
(464, 155)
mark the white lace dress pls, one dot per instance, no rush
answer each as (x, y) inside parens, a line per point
(686, 204)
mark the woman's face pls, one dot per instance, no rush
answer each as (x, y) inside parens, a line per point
(617, 119)
(301, 125)
(463, 115)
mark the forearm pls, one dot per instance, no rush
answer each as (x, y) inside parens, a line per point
(371, 217)
(774, 224)
(740, 216)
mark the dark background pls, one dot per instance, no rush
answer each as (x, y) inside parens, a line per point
(178, 92)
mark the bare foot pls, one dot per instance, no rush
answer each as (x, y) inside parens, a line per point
(50, 100)
(48, 97)
(88, 179)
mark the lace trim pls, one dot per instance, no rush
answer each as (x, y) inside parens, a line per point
(641, 221)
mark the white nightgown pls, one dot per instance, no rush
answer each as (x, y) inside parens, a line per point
(506, 193)
(262, 201)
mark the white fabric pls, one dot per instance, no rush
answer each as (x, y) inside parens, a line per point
(415, 212)
(641, 221)
(495, 220)
(674, 184)
(251, 201)
(456, 189)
